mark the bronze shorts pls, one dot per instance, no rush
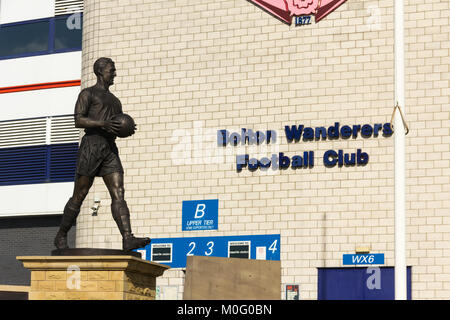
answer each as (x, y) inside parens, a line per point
(98, 156)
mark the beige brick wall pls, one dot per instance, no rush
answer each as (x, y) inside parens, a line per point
(189, 68)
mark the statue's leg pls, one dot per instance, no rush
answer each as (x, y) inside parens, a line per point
(72, 209)
(121, 213)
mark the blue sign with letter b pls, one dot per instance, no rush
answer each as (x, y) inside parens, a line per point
(200, 215)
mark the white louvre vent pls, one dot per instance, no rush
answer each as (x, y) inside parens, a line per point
(28, 132)
(68, 6)
(63, 130)
(38, 131)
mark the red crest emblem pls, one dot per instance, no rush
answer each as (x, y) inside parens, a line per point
(286, 9)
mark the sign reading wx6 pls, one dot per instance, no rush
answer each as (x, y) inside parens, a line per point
(284, 10)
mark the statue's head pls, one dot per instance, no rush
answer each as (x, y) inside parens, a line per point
(104, 68)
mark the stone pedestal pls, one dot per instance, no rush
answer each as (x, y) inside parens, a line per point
(92, 277)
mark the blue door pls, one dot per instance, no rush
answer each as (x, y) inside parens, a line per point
(359, 283)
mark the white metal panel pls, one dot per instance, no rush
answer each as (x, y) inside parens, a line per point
(22, 132)
(21, 10)
(34, 199)
(38, 103)
(63, 130)
(38, 131)
(68, 6)
(40, 69)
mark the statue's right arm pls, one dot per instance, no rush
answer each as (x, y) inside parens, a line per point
(81, 111)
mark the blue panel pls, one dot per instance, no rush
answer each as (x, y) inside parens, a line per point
(213, 246)
(63, 159)
(67, 32)
(25, 38)
(373, 283)
(200, 215)
(38, 37)
(38, 164)
(23, 165)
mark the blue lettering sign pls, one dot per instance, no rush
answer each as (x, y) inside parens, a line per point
(363, 259)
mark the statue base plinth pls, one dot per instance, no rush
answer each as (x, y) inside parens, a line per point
(92, 277)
